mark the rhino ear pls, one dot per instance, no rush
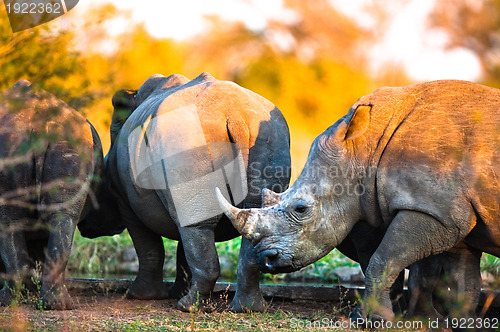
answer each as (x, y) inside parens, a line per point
(123, 105)
(124, 100)
(359, 123)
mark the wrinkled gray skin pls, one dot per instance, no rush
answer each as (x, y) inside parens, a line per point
(227, 113)
(49, 155)
(444, 284)
(359, 245)
(429, 279)
(421, 163)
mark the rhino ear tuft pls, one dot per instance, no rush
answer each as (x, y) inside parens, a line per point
(269, 198)
(359, 123)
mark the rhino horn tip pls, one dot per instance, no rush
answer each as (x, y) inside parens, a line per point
(235, 215)
(225, 206)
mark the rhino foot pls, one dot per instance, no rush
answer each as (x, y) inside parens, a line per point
(177, 291)
(248, 304)
(55, 300)
(5, 296)
(147, 291)
(190, 303)
(356, 313)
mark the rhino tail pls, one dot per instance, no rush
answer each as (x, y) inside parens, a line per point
(236, 180)
(239, 134)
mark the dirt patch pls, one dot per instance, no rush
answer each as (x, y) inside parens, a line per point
(112, 311)
(101, 305)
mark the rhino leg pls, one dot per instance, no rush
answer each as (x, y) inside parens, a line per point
(398, 299)
(422, 283)
(61, 162)
(15, 258)
(359, 246)
(452, 277)
(410, 237)
(53, 294)
(462, 267)
(397, 296)
(148, 284)
(183, 275)
(248, 296)
(201, 256)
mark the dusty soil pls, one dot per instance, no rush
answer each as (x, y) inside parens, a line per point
(111, 311)
(103, 306)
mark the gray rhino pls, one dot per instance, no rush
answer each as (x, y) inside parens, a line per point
(172, 142)
(421, 163)
(50, 159)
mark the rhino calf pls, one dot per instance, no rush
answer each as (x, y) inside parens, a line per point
(421, 163)
(49, 155)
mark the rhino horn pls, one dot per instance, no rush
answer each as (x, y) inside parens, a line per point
(240, 218)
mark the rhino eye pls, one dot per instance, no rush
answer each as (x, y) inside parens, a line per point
(301, 208)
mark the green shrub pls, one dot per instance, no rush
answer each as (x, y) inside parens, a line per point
(97, 257)
(100, 257)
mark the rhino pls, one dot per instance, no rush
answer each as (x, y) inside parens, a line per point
(50, 163)
(421, 163)
(172, 142)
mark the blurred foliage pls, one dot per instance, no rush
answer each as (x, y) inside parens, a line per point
(491, 264)
(98, 257)
(44, 57)
(103, 257)
(313, 68)
(474, 25)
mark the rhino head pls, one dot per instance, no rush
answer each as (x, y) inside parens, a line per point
(307, 221)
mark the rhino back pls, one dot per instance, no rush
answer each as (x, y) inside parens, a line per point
(442, 154)
(190, 132)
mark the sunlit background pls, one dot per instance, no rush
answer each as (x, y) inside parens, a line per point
(313, 59)
(406, 37)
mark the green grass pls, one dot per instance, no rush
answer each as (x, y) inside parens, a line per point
(217, 321)
(99, 257)
(491, 264)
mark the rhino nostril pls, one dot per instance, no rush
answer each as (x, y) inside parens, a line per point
(270, 253)
(268, 258)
